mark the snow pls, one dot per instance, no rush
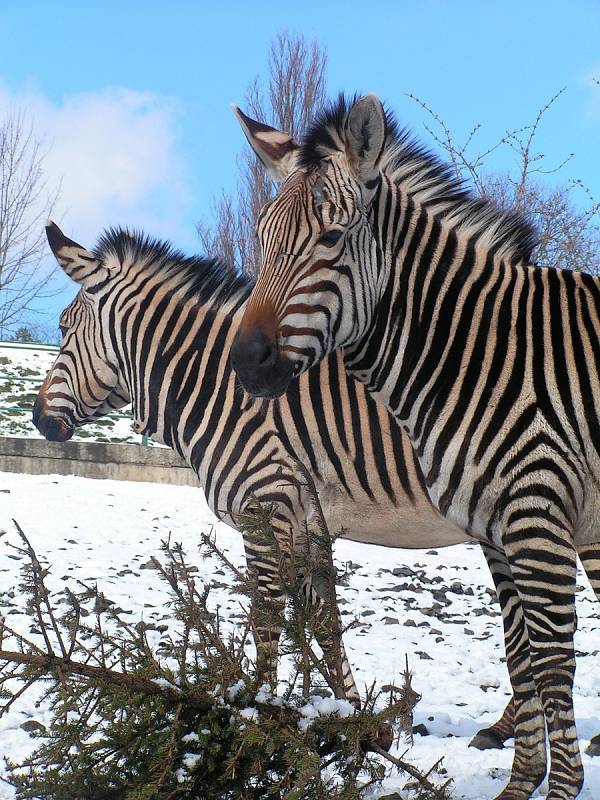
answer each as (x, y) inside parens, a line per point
(165, 684)
(250, 713)
(191, 759)
(234, 690)
(107, 530)
(265, 695)
(323, 707)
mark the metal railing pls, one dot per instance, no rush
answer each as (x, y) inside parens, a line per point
(47, 348)
(51, 348)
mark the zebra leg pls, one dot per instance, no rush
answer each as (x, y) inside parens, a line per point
(590, 558)
(493, 737)
(266, 607)
(334, 653)
(326, 622)
(539, 546)
(529, 763)
(318, 589)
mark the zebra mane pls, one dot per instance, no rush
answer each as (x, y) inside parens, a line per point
(207, 279)
(428, 180)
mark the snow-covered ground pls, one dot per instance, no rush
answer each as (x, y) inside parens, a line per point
(452, 638)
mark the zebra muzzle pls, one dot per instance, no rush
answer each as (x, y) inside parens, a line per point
(53, 428)
(259, 366)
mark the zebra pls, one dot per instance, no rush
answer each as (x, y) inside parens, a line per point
(153, 328)
(488, 362)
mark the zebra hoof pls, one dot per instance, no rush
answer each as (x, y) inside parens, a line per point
(487, 739)
(383, 739)
(385, 736)
(593, 748)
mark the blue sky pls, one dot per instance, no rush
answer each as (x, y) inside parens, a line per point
(132, 98)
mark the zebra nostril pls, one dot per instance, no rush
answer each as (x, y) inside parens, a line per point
(266, 354)
(261, 351)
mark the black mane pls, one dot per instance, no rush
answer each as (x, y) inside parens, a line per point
(408, 161)
(208, 279)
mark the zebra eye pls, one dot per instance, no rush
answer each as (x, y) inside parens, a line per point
(329, 238)
(63, 330)
(319, 192)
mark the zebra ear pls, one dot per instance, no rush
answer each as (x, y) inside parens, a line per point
(366, 129)
(275, 149)
(79, 264)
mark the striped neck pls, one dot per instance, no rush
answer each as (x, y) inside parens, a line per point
(173, 344)
(430, 265)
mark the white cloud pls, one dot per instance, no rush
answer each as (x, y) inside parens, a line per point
(115, 154)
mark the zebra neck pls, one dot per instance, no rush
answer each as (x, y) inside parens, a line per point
(410, 355)
(179, 373)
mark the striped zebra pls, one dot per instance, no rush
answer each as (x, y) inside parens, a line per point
(153, 328)
(488, 362)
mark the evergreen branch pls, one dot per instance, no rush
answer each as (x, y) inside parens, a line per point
(121, 727)
(51, 662)
(437, 792)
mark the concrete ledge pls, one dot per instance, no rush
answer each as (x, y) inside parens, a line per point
(121, 462)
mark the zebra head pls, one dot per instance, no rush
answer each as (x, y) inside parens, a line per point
(83, 383)
(315, 291)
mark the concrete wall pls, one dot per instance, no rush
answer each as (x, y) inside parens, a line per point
(121, 462)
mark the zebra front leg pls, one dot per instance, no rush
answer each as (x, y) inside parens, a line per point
(266, 607)
(327, 626)
(590, 559)
(538, 543)
(495, 735)
(529, 763)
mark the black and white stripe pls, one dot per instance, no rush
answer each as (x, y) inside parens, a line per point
(153, 328)
(489, 363)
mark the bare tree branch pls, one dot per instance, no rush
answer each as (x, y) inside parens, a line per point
(25, 203)
(566, 216)
(294, 91)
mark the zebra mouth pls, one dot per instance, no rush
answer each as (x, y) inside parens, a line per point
(55, 429)
(271, 392)
(271, 384)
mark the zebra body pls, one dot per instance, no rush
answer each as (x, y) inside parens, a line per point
(490, 364)
(153, 328)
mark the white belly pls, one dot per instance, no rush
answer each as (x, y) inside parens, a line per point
(409, 526)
